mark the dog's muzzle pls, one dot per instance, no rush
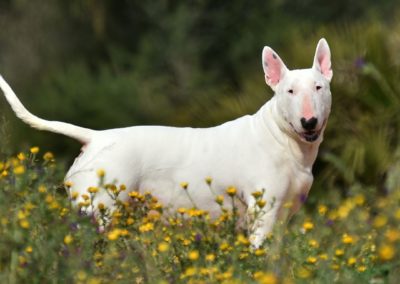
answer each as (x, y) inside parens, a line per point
(309, 135)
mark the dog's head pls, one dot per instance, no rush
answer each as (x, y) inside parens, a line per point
(303, 96)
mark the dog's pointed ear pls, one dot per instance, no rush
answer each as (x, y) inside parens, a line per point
(274, 68)
(322, 59)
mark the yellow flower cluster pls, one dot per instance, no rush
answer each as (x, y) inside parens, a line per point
(348, 238)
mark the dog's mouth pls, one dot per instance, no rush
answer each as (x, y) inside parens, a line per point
(309, 135)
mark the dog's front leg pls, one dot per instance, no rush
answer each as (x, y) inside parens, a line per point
(261, 222)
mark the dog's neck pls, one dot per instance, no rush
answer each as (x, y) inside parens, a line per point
(304, 154)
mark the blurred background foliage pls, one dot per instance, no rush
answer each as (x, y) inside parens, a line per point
(106, 64)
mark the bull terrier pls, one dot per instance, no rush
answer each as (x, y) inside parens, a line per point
(272, 150)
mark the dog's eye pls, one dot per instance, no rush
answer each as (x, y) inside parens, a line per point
(290, 91)
(318, 87)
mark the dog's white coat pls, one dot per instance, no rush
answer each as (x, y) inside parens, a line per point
(267, 150)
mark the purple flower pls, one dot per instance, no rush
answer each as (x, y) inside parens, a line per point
(303, 197)
(329, 222)
(359, 63)
(198, 237)
(74, 227)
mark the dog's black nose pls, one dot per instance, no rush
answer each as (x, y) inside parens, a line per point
(309, 124)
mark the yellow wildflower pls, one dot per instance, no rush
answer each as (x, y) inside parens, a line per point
(335, 266)
(193, 255)
(101, 206)
(42, 189)
(359, 199)
(163, 247)
(351, 261)
(24, 223)
(48, 156)
(195, 212)
(227, 275)
(347, 239)
(313, 243)
(130, 221)
(322, 209)
(22, 260)
(308, 226)
(231, 191)
(19, 170)
(114, 234)
(361, 268)
(210, 257)
(397, 214)
(146, 227)
(312, 259)
(94, 280)
(190, 271)
(386, 252)
(181, 210)
(74, 195)
(84, 203)
(64, 212)
(21, 156)
(124, 232)
(153, 215)
(265, 277)
(208, 180)
(81, 275)
(323, 256)
(259, 252)
(339, 252)
(261, 203)
(392, 235)
(68, 184)
(22, 214)
(224, 246)
(257, 194)
(219, 199)
(184, 185)
(134, 194)
(54, 205)
(303, 272)
(85, 197)
(241, 239)
(34, 150)
(379, 221)
(93, 189)
(28, 249)
(68, 239)
(101, 173)
(243, 255)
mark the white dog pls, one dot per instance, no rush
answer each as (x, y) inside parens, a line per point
(274, 149)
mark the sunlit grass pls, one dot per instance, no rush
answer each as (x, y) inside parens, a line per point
(42, 239)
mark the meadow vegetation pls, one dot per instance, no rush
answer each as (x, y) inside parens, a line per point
(349, 240)
(106, 64)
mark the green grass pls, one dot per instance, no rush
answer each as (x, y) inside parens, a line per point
(344, 240)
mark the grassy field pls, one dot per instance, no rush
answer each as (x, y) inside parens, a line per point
(43, 240)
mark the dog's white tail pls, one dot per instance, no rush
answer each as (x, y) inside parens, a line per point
(79, 133)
